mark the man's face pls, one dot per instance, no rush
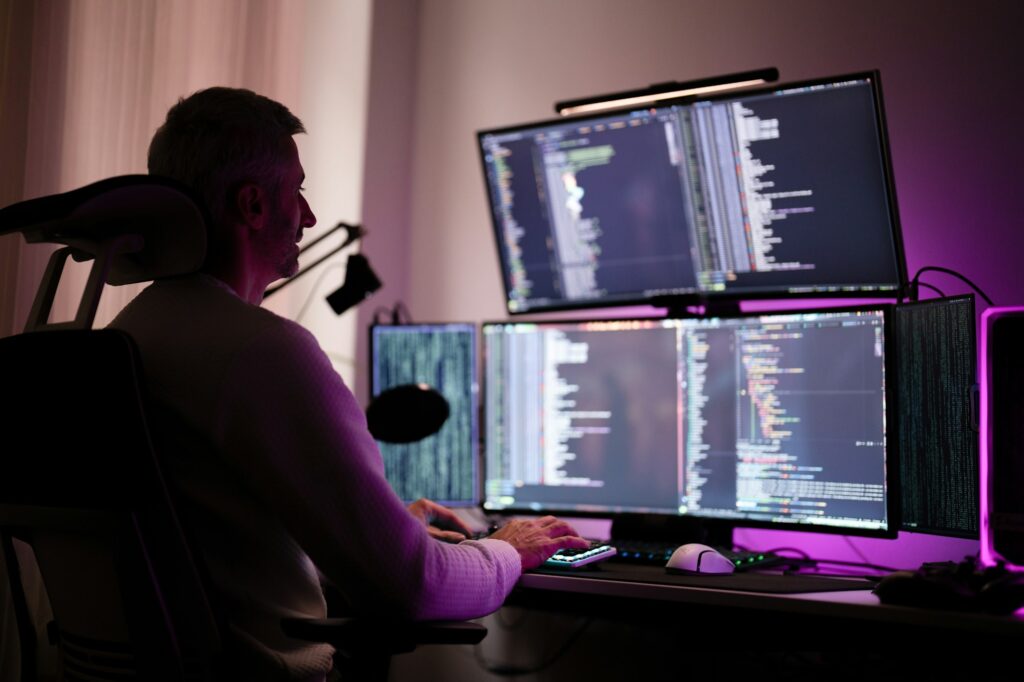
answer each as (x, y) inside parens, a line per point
(289, 215)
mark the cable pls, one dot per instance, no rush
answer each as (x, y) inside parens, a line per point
(813, 563)
(397, 314)
(316, 285)
(954, 273)
(858, 564)
(400, 312)
(803, 555)
(507, 670)
(836, 562)
(856, 550)
(929, 286)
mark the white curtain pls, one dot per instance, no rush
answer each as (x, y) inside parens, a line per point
(85, 83)
(104, 73)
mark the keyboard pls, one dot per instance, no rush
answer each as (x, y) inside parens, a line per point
(574, 558)
(658, 553)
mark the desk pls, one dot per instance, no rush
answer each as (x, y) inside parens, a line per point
(657, 632)
(822, 619)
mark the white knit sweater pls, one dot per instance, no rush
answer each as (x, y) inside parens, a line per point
(280, 477)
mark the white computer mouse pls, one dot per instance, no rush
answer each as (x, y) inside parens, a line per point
(697, 558)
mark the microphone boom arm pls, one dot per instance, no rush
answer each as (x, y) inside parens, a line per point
(354, 233)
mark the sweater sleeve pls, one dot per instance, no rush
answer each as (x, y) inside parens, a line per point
(300, 441)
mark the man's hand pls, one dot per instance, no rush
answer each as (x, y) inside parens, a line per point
(441, 522)
(537, 539)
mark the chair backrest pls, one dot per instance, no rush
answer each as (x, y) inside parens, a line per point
(80, 483)
(79, 480)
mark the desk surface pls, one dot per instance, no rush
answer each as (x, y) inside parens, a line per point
(855, 609)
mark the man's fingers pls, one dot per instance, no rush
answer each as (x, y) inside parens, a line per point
(445, 535)
(447, 517)
(568, 542)
(559, 529)
(432, 513)
(459, 525)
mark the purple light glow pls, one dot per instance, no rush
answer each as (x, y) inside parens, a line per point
(907, 551)
(989, 557)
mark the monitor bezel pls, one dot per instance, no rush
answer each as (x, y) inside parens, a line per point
(712, 524)
(478, 489)
(671, 300)
(974, 354)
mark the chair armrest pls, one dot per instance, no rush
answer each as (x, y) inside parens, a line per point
(376, 636)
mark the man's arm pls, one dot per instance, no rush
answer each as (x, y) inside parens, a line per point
(300, 440)
(534, 539)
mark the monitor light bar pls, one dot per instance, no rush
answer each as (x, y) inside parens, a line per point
(666, 91)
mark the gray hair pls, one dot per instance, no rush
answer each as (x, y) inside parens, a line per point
(218, 139)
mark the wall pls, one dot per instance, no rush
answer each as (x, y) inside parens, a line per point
(332, 87)
(950, 72)
(952, 80)
(387, 169)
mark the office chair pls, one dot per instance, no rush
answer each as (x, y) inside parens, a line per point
(81, 483)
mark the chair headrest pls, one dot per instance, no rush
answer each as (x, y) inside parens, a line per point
(163, 212)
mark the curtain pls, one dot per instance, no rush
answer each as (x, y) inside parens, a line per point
(85, 83)
(104, 73)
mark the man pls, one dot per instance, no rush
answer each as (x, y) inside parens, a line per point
(269, 450)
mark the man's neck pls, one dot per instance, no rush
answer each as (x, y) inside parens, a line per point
(244, 283)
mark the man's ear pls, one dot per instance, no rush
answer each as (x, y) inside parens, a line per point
(251, 202)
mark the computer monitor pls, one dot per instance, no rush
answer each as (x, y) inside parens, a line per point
(441, 467)
(776, 420)
(937, 374)
(769, 193)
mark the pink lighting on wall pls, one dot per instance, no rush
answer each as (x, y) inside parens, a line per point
(989, 556)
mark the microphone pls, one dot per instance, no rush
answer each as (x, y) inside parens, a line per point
(360, 282)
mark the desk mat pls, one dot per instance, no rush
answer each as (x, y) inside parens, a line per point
(746, 582)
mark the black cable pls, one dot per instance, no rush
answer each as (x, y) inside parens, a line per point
(857, 564)
(506, 670)
(953, 273)
(856, 550)
(933, 288)
(803, 555)
(402, 313)
(397, 314)
(312, 292)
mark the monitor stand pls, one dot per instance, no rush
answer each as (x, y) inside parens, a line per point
(672, 529)
(696, 306)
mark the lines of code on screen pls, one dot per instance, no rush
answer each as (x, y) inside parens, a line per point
(938, 447)
(769, 192)
(441, 467)
(773, 419)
